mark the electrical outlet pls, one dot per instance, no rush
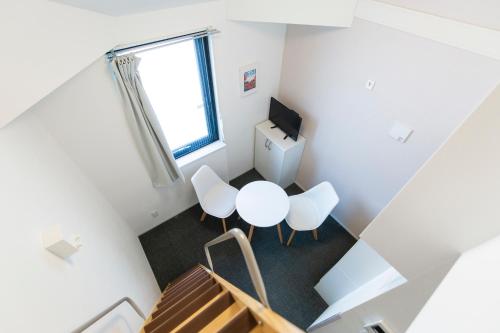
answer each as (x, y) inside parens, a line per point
(377, 327)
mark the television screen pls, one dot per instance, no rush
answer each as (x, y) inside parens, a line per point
(287, 120)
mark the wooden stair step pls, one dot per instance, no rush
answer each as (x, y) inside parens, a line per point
(202, 301)
(168, 323)
(193, 283)
(242, 322)
(167, 301)
(184, 275)
(221, 319)
(188, 280)
(213, 315)
(166, 311)
(261, 329)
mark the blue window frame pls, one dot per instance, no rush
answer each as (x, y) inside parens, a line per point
(207, 87)
(179, 82)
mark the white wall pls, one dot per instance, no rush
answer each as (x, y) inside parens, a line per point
(361, 275)
(86, 116)
(470, 37)
(357, 267)
(42, 186)
(484, 14)
(338, 13)
(451, 203)
(449, 207)
(429, 86)
(397, 308)
(379, 285)
(468, 299)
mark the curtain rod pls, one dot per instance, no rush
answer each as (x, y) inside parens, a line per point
(159, 43)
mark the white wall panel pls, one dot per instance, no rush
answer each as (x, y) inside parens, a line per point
(336, 13)
(87, 118)
(42, 186)
(428, 86)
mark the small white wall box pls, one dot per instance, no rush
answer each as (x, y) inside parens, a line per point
(54, 241)
(377, 327)
(400, 132)
(370, 84)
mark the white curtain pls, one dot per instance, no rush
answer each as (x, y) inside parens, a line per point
(144, 124)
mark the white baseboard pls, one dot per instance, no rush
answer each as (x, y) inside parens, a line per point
(300, 186)
(345, 227)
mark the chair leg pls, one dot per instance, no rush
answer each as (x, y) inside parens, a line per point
(315, 234)
(250, 233)
(202, 218)
(224, 225)
(291, 238)
(280, 235)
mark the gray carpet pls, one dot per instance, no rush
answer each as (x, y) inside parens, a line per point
(289, 273)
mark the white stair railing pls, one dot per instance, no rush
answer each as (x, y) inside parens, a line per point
(250, 261)
(110, 308)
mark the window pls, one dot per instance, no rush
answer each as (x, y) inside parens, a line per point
(179, 84)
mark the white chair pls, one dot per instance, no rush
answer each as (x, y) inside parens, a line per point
(310, 209)
(216, 197)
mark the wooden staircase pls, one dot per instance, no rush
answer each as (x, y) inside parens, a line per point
(201, 301)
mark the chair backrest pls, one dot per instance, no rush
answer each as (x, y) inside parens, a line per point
(203, 180)
(325, 197)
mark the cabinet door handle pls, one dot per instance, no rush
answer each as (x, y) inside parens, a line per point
(267, 144)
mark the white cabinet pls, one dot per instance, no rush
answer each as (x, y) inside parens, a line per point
(277, 159)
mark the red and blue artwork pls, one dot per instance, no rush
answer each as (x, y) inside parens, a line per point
(249, 80)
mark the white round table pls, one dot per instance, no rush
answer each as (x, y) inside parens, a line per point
(262, 204)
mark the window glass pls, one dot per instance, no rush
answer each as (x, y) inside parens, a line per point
(177, 79)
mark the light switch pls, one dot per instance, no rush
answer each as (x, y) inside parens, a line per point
(370, 84)
(400, 132)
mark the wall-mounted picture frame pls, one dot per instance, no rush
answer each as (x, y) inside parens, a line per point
(248, 79)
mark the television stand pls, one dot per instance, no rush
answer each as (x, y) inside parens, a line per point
(276, 126)
(277, 160)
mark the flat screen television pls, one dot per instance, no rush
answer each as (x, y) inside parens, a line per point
(287, 120)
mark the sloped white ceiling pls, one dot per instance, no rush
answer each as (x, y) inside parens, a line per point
(484, 13)
(45, 44)
(126, 7)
